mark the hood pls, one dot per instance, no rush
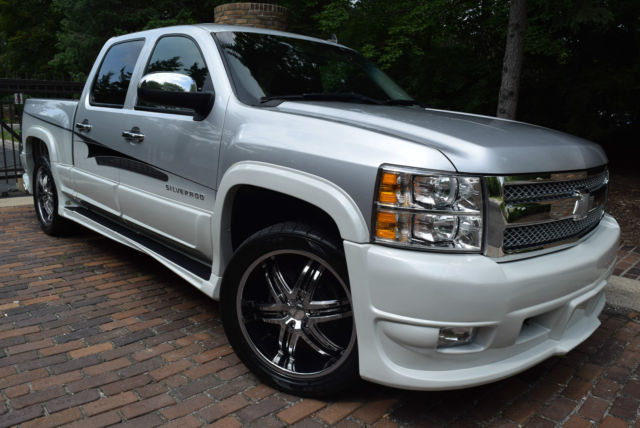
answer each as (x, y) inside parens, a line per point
(473, 143)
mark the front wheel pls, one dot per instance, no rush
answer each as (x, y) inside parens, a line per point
(286, 309)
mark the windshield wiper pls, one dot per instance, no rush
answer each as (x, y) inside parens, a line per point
(319, 96)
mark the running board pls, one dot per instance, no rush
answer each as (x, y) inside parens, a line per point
(195, 267)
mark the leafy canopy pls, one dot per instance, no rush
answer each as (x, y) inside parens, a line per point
(580, 71)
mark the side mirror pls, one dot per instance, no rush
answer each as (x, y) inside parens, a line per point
(176, 90)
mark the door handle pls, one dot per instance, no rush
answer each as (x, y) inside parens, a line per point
(133, 135)
(83, 126)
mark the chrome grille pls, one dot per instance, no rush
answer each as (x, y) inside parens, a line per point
(535, 212)
(551, 190)
(536, 235)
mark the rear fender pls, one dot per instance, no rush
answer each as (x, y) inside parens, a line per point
(34, 135)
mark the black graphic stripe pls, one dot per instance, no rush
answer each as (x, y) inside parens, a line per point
(159, 172)
(105, 156)
(131, 165)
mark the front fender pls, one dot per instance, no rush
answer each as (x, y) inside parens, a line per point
(301, 185)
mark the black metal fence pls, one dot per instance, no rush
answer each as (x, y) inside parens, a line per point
(13, 93)
(42, 88)
(10, 129)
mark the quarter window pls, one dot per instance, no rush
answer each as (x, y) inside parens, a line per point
(114, 75)
(177, 54)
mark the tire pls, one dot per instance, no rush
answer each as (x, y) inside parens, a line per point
(45, 200)
(286, 309)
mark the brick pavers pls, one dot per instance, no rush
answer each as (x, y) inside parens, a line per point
(94, 334)
(628, 262)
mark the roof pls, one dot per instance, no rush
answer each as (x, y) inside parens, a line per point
(216, 28)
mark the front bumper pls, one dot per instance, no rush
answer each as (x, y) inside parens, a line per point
(525, 310)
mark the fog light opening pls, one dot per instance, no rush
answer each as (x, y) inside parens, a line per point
(455, 336)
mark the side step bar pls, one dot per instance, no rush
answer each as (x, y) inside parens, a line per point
(197, 268)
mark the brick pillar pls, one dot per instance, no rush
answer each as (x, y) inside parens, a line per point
(261, 15)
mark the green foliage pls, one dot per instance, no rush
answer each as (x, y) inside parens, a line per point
(447, 53)
(301, 15)
(581, 65)
(333, 16)
(87, 24)
(580, 71)
(27, 32)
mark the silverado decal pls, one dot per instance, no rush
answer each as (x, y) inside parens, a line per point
(184, 192)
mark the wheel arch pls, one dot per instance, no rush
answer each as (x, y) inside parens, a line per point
(316, 191)
(36, 139)
(38, 134)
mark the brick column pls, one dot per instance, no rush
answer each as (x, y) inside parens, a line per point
(261, 15)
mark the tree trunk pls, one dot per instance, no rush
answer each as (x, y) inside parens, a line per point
(512, 63)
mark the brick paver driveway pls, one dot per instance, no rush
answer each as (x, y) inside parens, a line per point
(94, 334)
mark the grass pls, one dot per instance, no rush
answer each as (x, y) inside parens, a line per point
(6, 136)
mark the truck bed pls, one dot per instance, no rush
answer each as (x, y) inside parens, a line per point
(55, 112)
(48, 120)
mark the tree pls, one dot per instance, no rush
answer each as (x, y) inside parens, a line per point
(445, 53)
(512, 64)
(582, 56)
(26, 30)
(87, 24)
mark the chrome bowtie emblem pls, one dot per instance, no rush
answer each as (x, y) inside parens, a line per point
(583, 204)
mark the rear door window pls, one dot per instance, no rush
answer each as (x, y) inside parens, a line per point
(112, 81)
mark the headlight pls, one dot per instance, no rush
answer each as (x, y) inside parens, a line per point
(420, 209)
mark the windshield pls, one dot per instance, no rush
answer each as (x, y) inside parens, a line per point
(265, 67)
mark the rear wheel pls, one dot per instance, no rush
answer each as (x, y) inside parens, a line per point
(286, 308)
(45, 199)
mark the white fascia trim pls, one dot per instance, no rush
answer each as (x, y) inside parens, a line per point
(298, 184)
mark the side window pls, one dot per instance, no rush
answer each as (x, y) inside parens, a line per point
(177, 54)
(114, 75)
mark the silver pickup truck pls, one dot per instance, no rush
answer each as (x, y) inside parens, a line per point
(346, 229)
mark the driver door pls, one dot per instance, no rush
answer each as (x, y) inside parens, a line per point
(171, 192)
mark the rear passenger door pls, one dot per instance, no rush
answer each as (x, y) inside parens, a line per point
(98, 147)
(174, 201)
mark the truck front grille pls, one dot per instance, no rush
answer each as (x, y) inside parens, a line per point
(535, 235)
(539, 211)
(551, 190)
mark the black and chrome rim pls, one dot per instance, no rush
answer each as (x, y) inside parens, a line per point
(45, 197)
(295, 313)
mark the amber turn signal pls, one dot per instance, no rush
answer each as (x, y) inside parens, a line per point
(386, 225)
(388, 188)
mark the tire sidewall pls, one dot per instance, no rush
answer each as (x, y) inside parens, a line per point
(256, 246)
(52, 227)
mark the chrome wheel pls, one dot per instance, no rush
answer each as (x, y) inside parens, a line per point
(295, 313)
(45, 198)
